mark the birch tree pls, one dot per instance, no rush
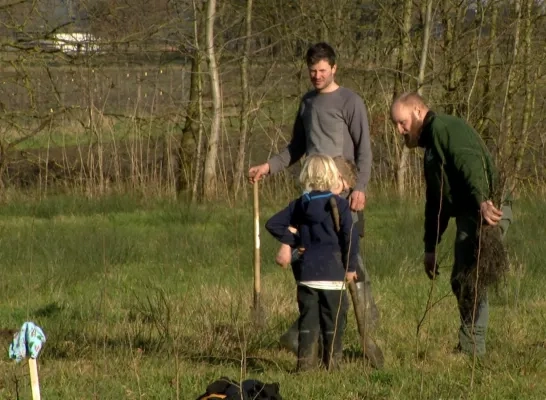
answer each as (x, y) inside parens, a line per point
(209, 173)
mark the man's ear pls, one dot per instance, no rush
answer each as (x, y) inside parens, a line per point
(418, 112)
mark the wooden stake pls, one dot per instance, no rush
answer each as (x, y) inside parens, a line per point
(34, 382)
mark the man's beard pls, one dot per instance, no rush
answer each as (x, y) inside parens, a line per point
(325, 83)
(411, 140)
(412, 137)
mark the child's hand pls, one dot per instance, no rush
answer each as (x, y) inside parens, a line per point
(284, 256)
(350, 276)
(292, 229)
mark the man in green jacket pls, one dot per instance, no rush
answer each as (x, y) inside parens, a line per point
(461, 180)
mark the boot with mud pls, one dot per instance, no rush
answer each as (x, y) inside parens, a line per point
(289, 340)
(308, 352)
(370, 313)
(332, 351)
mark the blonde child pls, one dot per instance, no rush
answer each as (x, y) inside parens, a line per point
(347, 174)
(327, 258)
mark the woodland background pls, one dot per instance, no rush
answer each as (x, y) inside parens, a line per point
(181, 97)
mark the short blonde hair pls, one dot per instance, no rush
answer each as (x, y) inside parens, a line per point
(320, 173)
(411, 99)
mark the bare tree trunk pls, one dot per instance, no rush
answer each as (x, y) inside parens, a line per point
(452, 56)
(487, 96)
(209, 176)
(404, 159)
(186, 152)
(404, 48)
(199, 155)
(403, 164)
(196, 75)
(245, 105)
(424, 50)
(530, 89)
(505, 133)
(190, 131)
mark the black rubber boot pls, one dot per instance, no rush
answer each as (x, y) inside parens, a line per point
(289, 340)
(308, 351)
(332, 351)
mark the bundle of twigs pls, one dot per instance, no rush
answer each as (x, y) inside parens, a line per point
(491, 264)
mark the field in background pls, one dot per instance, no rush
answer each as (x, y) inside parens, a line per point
(139, 113)
(143, 298)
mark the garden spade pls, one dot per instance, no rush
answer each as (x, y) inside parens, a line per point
(369, 349)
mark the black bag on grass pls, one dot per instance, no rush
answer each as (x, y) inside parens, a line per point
(228, 389)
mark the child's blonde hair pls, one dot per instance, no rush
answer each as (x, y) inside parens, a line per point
(320, 173)
(347, 170)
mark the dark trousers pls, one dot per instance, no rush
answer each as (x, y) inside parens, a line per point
(321, 311)
(473, 307)
(473, 310)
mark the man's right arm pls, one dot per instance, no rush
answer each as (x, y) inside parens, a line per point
(436, 221)
(295, 149)
(437, 211)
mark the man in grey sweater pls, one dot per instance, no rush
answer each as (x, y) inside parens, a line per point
(331, 120)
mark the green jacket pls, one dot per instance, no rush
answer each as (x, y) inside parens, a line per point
(459, 173)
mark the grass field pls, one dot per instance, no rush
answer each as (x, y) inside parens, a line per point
(151, 299)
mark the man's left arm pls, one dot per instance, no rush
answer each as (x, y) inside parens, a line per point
(359, 130)
(471, 160)
(349, 238)
(357, 122)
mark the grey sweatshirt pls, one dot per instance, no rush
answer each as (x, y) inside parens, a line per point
(335, 124)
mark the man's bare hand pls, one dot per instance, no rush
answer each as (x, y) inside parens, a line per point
(490, 213)
(357, 201)
(255, 173)
(431, 268)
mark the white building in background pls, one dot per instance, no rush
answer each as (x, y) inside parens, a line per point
(75, 43)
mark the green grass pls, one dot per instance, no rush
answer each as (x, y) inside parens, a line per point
(151, 299)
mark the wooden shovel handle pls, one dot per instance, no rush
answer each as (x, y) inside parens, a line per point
(257, 283)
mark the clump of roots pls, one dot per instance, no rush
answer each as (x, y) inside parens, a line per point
(491, 260)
